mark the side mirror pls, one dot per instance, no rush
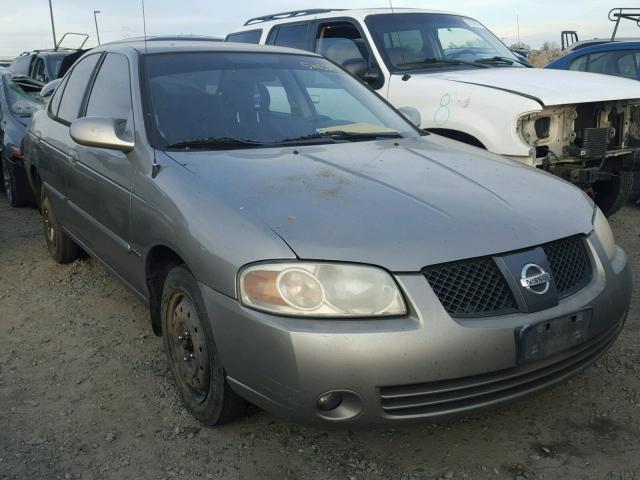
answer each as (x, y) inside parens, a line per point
(49, 88)
(358, 68)
(101, 132)
(412, 114)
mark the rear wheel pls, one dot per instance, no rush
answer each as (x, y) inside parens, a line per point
(612, 195)
(14, 195)
(61, 248)
(192, 353)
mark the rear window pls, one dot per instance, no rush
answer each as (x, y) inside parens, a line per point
(251, 36)
(21, 65)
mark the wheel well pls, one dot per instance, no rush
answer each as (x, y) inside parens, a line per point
(459, 136)
(160, 261)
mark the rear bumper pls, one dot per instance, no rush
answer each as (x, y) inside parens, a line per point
(426, 365)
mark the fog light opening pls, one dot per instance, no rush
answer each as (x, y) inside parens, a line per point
(329, 401)
(339, 405)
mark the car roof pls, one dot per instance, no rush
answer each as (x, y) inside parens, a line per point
(605, 47)
(160, 38)
(176, 46)
(359, 13)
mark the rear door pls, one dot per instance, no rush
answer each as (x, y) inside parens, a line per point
(53, 143)
(101, 179)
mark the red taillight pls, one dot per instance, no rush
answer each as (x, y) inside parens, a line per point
(16, 153)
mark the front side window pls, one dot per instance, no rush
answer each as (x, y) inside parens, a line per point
(412, 41)
(252, 36)
(292, 36)
(341, 42)
(241, 100)
(75, 88)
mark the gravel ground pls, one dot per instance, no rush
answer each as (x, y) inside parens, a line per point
(85, 392)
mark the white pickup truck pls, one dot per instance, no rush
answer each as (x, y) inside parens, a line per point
(467, 85)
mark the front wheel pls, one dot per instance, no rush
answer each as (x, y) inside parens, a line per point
(612, 195)
(192, 354)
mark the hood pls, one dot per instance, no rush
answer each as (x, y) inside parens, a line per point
(401, 204)
(549, 87)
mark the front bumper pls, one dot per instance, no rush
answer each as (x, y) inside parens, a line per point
(426, 365)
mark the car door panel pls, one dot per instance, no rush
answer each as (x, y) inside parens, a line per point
(100, 180)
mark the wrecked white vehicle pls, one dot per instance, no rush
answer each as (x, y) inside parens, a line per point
(469, 86)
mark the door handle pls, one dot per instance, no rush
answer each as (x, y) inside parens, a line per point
(73, 156)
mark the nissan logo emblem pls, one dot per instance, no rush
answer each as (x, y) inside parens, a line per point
(534, 279)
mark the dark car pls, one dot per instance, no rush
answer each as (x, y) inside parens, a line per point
(621, 59)
(19, 99)
(42, 65)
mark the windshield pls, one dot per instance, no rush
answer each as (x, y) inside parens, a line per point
(241, 100)
(23, 101)
(410, 41)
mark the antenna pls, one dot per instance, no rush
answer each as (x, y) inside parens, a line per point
(391, 5)
(144, 26)
(155, 166)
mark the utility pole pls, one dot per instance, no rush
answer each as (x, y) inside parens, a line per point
(518, 23)
(53, 27)
(95, 19)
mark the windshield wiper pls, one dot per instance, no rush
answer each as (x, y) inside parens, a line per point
(342, 135)
(442, 61)
(222, 143)
(502, 60)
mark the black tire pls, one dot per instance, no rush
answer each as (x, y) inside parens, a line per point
(192, 353)
(11, 187)
(61, 248)
(612, 195)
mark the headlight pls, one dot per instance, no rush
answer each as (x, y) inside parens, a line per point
(604, 233)
(321, 290)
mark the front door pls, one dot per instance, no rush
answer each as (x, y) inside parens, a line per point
(100, 182)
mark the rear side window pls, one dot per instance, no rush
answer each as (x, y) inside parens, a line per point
(111, 92)
(76, 87)
(293, 36)
(251, 36)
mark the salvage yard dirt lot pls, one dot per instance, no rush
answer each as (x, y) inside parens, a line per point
(85, 392)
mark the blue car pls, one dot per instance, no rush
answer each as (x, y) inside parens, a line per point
(19, 99)
(621, 59)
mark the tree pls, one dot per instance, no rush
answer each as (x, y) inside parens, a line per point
(548, 46)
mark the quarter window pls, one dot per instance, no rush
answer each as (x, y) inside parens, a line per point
(252, 36)
(57, 95)
(111, 92)
(76, 87)
(293, 36)
(579, 64)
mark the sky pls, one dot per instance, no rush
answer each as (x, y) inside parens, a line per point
(26, 24)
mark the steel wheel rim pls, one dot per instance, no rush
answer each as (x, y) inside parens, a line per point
(49, 229)
(188, 347)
